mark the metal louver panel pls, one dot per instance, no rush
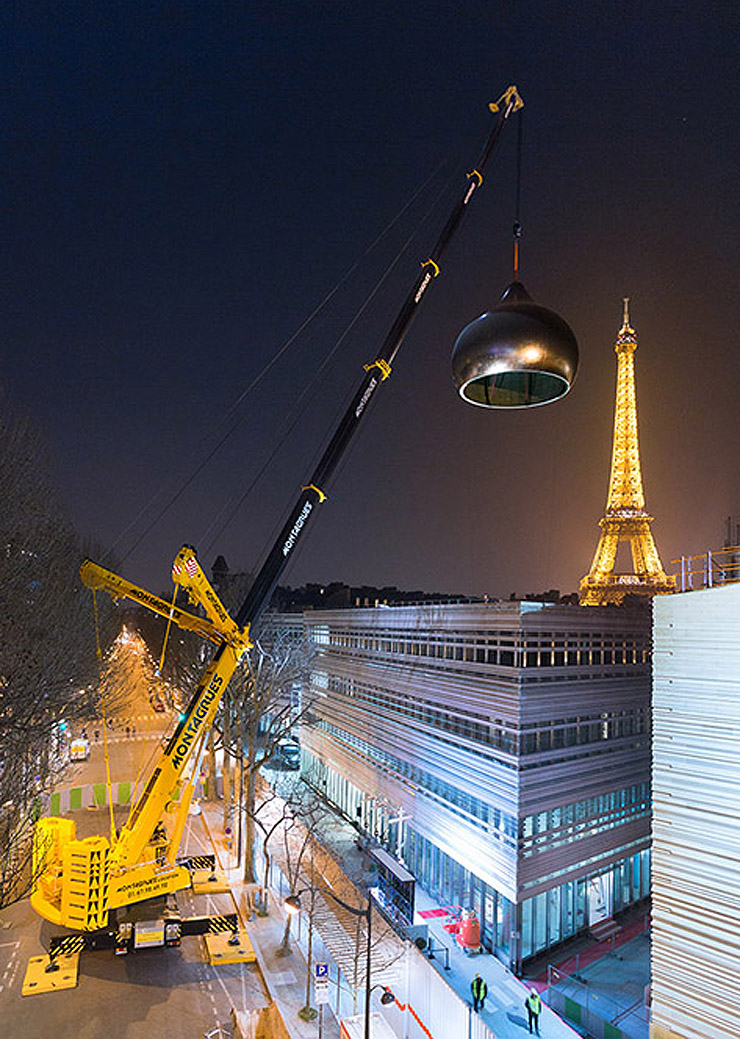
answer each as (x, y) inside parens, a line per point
(696, 815)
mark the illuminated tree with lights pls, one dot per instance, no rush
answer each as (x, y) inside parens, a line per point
(129, 669)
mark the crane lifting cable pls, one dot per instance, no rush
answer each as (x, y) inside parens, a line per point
(227, 513)
(106, 755)
(179, 489)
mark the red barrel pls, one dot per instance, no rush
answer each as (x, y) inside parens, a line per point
(468, 934)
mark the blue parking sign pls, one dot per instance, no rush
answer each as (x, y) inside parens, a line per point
(321, 983)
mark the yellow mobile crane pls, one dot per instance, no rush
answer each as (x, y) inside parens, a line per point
(82, 883)
(93, 885)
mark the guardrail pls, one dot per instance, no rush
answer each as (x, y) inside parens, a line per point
(708, 569)
(435, 947)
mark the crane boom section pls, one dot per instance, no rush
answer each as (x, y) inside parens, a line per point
(187, 573)
(97, 578)
(168, 772)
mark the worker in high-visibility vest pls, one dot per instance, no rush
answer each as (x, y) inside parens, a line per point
(533, 1003)
(479, 991)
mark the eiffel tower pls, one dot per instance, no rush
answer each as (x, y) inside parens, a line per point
(625, 518)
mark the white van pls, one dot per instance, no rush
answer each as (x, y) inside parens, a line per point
(79, 749)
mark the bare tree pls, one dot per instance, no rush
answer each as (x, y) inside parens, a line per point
(298, 856)
(306, 863)
(268, 822)
(48, 669)
(266, 700)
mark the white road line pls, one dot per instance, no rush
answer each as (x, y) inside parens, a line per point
(226, 991)
(16, 964)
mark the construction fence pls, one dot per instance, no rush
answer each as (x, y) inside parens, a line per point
(592, 1012)
(93, 795)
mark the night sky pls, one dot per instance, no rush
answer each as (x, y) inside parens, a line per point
(185, 183)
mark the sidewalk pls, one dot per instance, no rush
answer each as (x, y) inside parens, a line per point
(284, 977)
(504, 1011)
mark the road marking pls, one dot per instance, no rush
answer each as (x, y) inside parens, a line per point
(11, 970)
(226, 991)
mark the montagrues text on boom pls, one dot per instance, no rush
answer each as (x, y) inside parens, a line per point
(191, 729)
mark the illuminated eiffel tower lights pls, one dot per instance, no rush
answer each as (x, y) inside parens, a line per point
(625, 518)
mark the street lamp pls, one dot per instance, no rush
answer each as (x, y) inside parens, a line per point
(293, 906)
(386, 997)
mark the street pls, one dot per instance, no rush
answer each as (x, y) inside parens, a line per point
(129, 755)
(151, 993)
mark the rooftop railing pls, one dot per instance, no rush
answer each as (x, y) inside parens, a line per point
(708, 569)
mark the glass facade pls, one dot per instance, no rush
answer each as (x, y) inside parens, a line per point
(571, 822)
(555, 915)
(545, 920)
(515, 740)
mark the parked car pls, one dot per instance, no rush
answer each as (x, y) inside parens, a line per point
(289, 754)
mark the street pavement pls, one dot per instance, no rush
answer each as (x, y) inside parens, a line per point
(130, 753)
(152, 994)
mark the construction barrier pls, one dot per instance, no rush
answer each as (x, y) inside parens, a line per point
(93, 795)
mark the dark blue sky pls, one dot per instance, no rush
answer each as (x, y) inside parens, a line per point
(183, 184)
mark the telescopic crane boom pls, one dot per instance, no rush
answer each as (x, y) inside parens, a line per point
(81, 881)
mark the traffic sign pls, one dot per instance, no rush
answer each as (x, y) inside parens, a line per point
(321, 983)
